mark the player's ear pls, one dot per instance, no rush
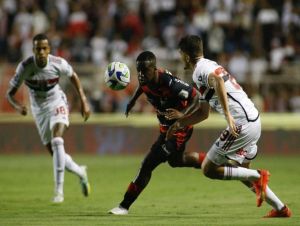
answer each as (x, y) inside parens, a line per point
(187, 58)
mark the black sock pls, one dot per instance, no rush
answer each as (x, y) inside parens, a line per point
(131, 195)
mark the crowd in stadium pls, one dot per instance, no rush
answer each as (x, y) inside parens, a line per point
(251, 38)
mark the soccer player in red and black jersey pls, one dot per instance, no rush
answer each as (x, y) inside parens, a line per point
(163, 91)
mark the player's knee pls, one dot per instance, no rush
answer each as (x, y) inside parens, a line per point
(173, 163)
(209, 172)
(57, 141)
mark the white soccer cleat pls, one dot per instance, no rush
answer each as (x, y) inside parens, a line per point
(58, 198)
(85, 185)
(118, 211)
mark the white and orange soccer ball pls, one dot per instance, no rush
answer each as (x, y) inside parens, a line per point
(117, 75)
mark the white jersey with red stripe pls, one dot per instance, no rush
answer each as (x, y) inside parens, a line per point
(43, 83)
(241, 107)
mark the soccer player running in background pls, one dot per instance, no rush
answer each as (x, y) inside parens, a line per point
(163, 91)
(41, 73)
(237, 144)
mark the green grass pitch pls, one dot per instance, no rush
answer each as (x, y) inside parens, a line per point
(173, 197)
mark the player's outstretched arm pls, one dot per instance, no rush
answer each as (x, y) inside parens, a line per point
(191, 119)
(138, 92)
(194, 105)
(85, 107)
(14, 103)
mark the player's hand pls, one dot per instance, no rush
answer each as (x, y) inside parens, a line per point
(85, 112)
(172, 129)
(232, 126)
(129, 107)
(172, 113)
(22, 110)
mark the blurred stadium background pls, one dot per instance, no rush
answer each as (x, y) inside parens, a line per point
(257, 41)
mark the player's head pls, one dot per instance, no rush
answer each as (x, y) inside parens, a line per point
(191, 49)
(41, 49)
(146, 67)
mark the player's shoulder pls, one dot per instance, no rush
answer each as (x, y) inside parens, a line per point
(206, 66)
(56, 60)
(27, 62)
(165, 76)
(206, 62)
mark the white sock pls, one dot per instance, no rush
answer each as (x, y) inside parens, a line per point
(73, 166)
(57, 145)
(240, 173)
(273, 200)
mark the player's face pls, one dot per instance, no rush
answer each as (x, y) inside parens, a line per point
(146, 75)
(41, 49)
(185, 59)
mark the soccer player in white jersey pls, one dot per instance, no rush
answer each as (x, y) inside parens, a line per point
(41, 73)
(230, 156)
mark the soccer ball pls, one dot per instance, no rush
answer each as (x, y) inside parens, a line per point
(117, 75)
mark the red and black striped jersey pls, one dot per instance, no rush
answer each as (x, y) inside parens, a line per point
(168, 92)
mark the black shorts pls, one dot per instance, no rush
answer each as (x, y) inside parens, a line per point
(172, 149)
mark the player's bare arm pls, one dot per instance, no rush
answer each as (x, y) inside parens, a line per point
(197, 116)
(175, 114)
(14, 103)
(138, 92)
(217, 83)
(85, 108)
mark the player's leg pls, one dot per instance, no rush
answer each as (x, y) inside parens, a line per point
(193, 159)
(279, 208)
(70, 164)
(178, 156)
(57, 146)
(43, 120)
(155, 157)
(229, 147)
(73, 167)
(215, 171)
(60, 116)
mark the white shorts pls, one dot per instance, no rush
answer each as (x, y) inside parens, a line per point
(45, 119)
(241, 149)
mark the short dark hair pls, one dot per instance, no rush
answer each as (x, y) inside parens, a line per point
(191, 45)
(144, 60)
(39, 37)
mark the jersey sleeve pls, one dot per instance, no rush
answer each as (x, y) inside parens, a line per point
(202, 71)
(17, 80)
(65, 68)
(180, 88)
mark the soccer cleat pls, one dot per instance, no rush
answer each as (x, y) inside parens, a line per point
(58, 198)
(85, 185)
(284, 212)
(118, 211)
(260, 186)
